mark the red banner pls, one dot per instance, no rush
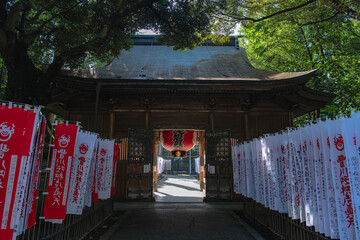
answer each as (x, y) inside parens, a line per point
(16, 135)
(60, 173)
(34, 184)
(115, 160)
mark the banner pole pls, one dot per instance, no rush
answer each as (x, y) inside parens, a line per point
(44, 185)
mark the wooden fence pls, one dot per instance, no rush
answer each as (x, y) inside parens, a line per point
(74, 226)
(278, 225)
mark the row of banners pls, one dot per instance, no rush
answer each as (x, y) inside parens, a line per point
(82, 169)
(164, 164)
(312, 174)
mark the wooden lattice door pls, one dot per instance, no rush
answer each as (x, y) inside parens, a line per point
(218, 165)
(140, 165)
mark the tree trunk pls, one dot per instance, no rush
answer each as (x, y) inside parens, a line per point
(24, 78)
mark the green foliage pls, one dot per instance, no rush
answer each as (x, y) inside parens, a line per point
(40, 37)
(307, 38)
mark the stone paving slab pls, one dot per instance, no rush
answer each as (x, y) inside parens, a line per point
(180, 224)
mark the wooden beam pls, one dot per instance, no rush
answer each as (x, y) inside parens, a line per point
(178, 110)
(290, 119)
(155, 153)
(257, 125)
(98, 89)
(246, 126)
(112, 125)
(66, 115)
(212, 121)
(147, 120)
(202, 159)
(282, 102)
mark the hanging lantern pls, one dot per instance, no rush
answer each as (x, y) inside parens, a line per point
(178, 141)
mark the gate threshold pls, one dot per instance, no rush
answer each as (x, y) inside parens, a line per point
(121, 206)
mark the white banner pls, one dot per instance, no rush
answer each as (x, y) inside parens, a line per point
(307, 178)
(90, 183)
(235, 160)
(351, 134)
(319, 177)
(329, 189)
(295, 185)
(84, 147)
(341, 182)
(105, 166)
(312, 173)
(260, 172)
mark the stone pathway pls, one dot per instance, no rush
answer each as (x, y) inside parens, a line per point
(179, 213)
(180, 221)
(175, 188)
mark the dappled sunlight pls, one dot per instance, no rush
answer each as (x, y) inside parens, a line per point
(174, 188)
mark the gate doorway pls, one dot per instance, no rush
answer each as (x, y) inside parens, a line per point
(152, 174)
(177, 156)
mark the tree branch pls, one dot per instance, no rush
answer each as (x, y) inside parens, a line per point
(3, 40)
(52, 71)
(79, 50)
(269, 16)
(29, 38)
(344, 7)
(142, 4)
(12, 17)
(320, 21)
(307, 48)
(133, 8)
(322, 52)
(23, 19)
(3, 13)
(161, 18)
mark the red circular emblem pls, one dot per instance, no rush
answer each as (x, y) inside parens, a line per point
(6, 131)
(83, 148)
(339, 142)
(103, 152)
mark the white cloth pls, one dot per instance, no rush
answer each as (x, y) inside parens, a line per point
(84, 148)
(105, 166)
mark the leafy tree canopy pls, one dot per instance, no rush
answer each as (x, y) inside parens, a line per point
(304, 35)
(39, 37)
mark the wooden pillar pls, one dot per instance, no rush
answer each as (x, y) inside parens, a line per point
(156, 140)
(121, 171)
(246, 126)
(212, 121)
(147, 120)
(291, 119)
(257, 125)
(201, 141)
(112, 125)
(98, 89)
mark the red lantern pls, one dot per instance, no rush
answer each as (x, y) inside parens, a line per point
(178, 140)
